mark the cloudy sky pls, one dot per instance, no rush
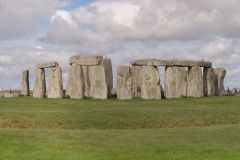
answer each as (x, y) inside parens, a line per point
(33, 32)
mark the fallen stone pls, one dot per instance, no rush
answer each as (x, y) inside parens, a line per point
(151, 88)
(55, 84)
(209, 82)
(175, 82)
(47, 65)
(25, 83)
(136, 72)
(11, 95)
(179, 63)
(195, 82)
(76, 85)
(86, 60)
(40, 84)
(220, 73)
(124, 83)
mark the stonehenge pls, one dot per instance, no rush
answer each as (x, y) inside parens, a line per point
(220, 73)
(92, 77)
(151, 88)
(124, 83)
(175, 82)
(55, 86)
(25, 91)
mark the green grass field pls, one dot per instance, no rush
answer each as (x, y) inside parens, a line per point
(174, 129)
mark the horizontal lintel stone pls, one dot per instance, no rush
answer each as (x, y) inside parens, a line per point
(86, 60)
(180, 63)
(48, 65)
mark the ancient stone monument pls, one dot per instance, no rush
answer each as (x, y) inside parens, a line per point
(25, 83)
(175, 82)
(182, 78)
(209, 82)
(220, 73)
(151, 88)
(55, 86)
(124, 83)
(90, 76)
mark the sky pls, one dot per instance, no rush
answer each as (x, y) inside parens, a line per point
(33, 32)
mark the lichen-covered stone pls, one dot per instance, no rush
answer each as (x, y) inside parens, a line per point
(40, 84)
(175, 82)
(220, 73)
(76, 85)
(151, 88)
(25, 83)
(124, 83)
(209, 82)
(55, 84)
(195, 82)
(136, 72)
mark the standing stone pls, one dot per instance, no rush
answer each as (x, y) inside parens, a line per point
(175, 82)
(86, 81)
(25, 83)
(220, 73)
(55, 84)
(109, 74)
(151, 88)
(124, 83)
(195, 82)
(136, 72)
(98, 82)
(40, 84)
(209, 82)
(76, 86)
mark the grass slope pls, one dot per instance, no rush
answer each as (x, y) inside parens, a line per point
(176, 129)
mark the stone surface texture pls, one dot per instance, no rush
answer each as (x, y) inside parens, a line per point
(86, 60)
(55, 84)
(76, 85)
(136, 72)
(124, 83)
(220, 73)
(195, 82)
(25, 83)
(40, 84)
(209, 82)
(180, 63)
(175, 82)
(48, 65)
(151, 88)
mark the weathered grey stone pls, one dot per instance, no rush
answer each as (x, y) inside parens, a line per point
(124, 83)
(47, 65)
(98, 82)
(86, 81)
(40, 84)
(55, 84)
(195, 82)
(209, 82)
(86, 60)
(76, 87)
(1, 94)
(109, 74)
(11, 95)
(25, 83)
(180, 63)
(220, 73)
(151, 88)
(175, 82)
(136, 73)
